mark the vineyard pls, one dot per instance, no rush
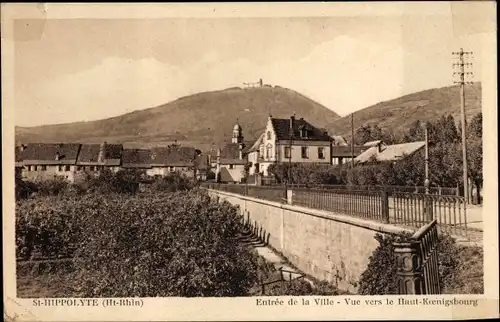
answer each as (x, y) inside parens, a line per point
(158, 242)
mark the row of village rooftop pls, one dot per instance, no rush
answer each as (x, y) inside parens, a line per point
(283, 141)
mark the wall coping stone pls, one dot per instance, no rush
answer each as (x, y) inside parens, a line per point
(355, 221)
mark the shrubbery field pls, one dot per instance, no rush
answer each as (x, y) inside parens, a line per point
(103, 237)
(161, 244)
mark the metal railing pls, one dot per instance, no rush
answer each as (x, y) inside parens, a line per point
(417, 262)
(277, 194)
(446, 191)
(404, 209)
(415, 210)
(271, 193)
(283, 280)
(365, 204)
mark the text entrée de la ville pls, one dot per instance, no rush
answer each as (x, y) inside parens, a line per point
(332, 301)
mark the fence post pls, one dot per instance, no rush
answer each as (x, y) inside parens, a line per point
(385, 206)
(408, 263)
(289, 196)
(428, 209)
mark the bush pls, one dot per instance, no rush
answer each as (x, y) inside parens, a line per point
(169, 245)
(24, 189)
(380, 277)
(48, 226)
(172, 182)
(124, 181)
(296, 287)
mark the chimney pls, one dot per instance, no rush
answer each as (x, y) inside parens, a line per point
(292, 119)
(379, 147)
(217, 168)
(102, 153)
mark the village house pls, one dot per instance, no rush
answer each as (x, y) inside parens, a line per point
(71, 160)
(95, 157)
(232, 158)
(176, 158)
(342, 152)
(42, 161)
(19, 161)
(162, 161)
(290, 140)
(139, 159)
(377, 151)
(254, 155)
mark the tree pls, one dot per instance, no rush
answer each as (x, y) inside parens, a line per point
(475, 127)
(367, 133)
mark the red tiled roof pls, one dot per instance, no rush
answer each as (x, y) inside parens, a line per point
(234, 161)
(202, 162)
(282, 129)
(136, 158)
(390, 152)
(89, 154)
(230, 151)
(345, 151)
(45, 153)
(225, 176)
(173, 156)
(255, 146)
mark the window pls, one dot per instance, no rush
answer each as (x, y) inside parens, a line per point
(67, 168)
(172, 169)
(304, 152)
(78, 167)
(321, 153)
(36, 168)
(303, 132)
(287, 152)
(60, 168)
(268, 152)
(269, 135)
(231, 166)
(44, 168)
(92, 168)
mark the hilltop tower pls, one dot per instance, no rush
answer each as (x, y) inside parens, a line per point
(237, 133)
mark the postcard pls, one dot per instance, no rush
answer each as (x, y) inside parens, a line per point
(249, 161)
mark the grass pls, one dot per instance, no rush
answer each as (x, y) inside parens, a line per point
(469, 275)
(46, 279)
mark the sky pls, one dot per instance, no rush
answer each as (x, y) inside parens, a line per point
(89, 69)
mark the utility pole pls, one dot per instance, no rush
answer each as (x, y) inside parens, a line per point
(290, 151)
(352, 140)
(428, 202)
(426, 181)
(461, 65)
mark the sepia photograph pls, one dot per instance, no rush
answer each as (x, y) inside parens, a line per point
(316, 156)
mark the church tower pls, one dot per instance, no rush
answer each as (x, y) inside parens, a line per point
(237, 133)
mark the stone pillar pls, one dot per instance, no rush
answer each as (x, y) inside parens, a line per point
(385, 206)
(289, 196)
(408, 263)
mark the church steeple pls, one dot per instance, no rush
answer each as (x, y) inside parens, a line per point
(237, 133)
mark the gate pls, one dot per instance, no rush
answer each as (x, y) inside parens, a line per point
(417, 262)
